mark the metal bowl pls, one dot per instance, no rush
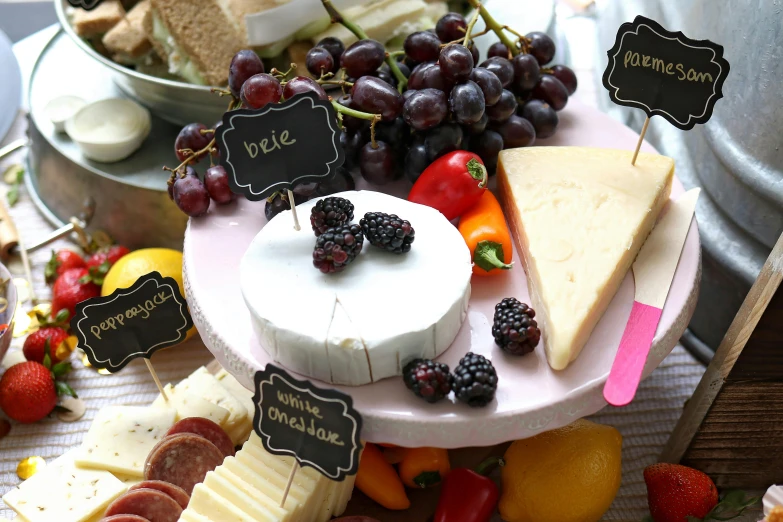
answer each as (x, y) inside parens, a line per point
(177, 102)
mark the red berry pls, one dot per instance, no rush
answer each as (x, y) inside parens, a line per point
(61, 261)
(34, 346)
(27, 392)
(71, 288)
(676, 492)
(110, 255)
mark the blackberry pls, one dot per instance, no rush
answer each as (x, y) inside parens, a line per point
(428, 379)
(475, 380)
(388, 231)
(330, 212)
(337, 247)
(514, 328)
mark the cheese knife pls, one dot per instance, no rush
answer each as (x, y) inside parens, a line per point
(653, 273)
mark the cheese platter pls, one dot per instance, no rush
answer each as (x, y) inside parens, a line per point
(531, 397)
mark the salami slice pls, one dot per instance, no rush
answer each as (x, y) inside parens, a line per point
(175, 492)
(124, 518)
(207, 429)
(183, 460)
(149, 504)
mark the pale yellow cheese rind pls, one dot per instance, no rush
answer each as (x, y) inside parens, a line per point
(579, 216)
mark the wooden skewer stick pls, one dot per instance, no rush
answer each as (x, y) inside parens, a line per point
(156, 379)
(291, 476)
(293, 210)
(641, 138)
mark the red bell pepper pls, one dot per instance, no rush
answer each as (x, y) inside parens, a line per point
(452, 183)
(467, 495)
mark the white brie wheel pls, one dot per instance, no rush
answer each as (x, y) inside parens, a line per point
(365, 323)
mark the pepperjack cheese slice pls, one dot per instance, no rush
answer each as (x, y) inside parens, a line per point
(579, 217)
(63, 492)
(121, 437)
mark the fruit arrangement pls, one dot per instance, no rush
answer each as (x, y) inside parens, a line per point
(29, 390)
(338, 242)
(399, 111)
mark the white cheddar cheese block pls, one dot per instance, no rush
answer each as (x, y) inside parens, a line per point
(579, 216)
(250, 485)
(62, 492)
(328, 326)
(213, 507)
(272, 486)
(189, 404)
(121, 437)
(259, 508)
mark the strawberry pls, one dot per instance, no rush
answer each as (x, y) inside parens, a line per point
(29, 390)
(73, 287)
(107, 255)
(61, 261)
(675, 492)
(35, 345)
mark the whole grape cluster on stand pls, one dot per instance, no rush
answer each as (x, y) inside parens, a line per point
(398, 111)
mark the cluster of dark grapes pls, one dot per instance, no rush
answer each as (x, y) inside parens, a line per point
(450, 102)
(254, 88)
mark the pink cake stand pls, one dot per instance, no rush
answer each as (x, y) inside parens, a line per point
(531, 398)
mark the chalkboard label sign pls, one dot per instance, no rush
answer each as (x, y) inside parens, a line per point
(280, 146)
(132, 322)
(665, 73)
(87, 5)
(319, 427)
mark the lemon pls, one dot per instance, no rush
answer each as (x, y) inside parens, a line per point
(138, 263)
(570, 474)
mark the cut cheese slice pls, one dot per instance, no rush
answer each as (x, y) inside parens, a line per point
(121, 437)
(206, 386)
(579, 217)
(233, 386)
(64, 492)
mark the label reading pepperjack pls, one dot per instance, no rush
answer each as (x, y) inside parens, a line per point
(132, 322)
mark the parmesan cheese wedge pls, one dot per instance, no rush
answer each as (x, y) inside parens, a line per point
(579, 216)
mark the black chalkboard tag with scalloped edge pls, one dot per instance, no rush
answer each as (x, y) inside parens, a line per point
(87, 5)
(665, 73)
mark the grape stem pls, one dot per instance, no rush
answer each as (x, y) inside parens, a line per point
(220, 92)
(282, 75)
(341, 83)
(466, 40)
(233, 104)
(523, 41)
(347, 111)
(338, 18)
(372, 133)
(472, 37)
(494, 26)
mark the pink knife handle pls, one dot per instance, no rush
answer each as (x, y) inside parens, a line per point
(626, 373)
